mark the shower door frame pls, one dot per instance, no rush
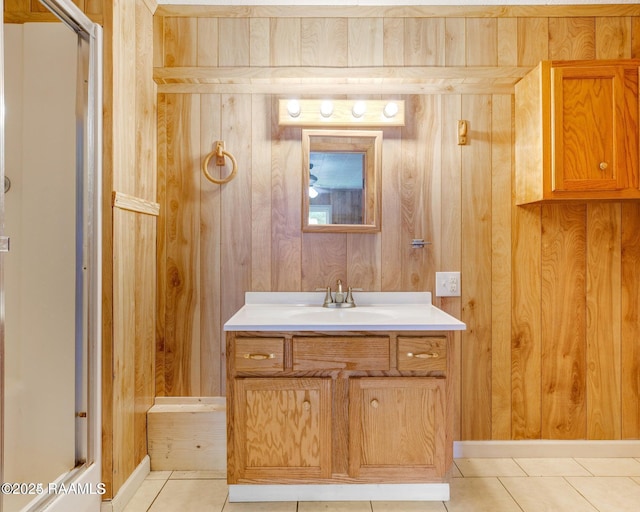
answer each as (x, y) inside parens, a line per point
(86, 476)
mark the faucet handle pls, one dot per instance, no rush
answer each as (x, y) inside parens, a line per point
(327, 298)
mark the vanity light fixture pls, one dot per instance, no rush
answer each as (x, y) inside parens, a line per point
(340, 113)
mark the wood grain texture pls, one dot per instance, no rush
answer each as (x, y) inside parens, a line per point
(512, 369)
(564, 372)
(476, 267)
(630, 321)
(603, 328)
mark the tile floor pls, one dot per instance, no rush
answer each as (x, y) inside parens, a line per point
(478, 485)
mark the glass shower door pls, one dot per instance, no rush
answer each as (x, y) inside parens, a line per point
(51, 414)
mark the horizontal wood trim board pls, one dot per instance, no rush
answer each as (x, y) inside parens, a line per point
(315, 11)
(309, 80)
(135, 204)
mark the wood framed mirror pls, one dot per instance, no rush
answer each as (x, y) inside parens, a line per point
(341, 181)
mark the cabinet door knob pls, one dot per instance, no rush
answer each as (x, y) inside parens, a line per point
(374, 403)
(259, 357)
(306, 405)
(603, 166)
(423, 355)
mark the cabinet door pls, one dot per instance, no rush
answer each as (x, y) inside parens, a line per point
(588, 133)
(397, 428)
(282, 428)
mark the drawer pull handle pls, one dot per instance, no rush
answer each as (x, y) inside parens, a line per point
(259, 357)
(603, 166)
(374, 403)
(424, 355)
(306, 405)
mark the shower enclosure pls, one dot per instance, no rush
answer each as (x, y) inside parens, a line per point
(50, 270)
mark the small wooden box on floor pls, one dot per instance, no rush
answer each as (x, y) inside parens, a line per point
(187, 434)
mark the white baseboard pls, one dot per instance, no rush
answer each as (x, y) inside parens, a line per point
(129, 488)
(539, 448)
(339, 492)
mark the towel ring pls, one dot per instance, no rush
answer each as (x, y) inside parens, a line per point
(219, 152)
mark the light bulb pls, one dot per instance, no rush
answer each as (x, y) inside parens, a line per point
(359, 108)
(390, 110)
(326, 108)
(293, 107)
(313, 193)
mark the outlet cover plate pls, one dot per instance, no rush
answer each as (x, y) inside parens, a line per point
(447, 284)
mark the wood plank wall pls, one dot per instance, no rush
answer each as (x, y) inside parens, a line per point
(550, 294)
(129, 233)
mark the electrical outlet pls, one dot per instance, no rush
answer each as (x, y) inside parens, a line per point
(447, 284)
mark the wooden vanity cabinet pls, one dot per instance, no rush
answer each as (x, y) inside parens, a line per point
(576, 131)
(337, 408)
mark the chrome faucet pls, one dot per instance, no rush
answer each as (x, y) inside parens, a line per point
(340, 299)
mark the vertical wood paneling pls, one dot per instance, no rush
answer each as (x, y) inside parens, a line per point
(162, 312)
(180, 41)
(235, 236)
(482, 40)
(563, 322)
(603, 321)
(208, 41)
(613, 39)
(210, 215)
(324, 42)
(630, 309)
(285, 48)
(572, 38)
(182, 347)
(260, 42)
(455, 42)
(365, 41)
(286, 220)
(421, 148)
(235, 41)
(526, 323)
(391, 235)
(450, 257)
(476, 268)
(507, 42)
(324, 260)
(533, 41)
(424, 42)
(546, 353)
(261, 196)
(393, 42)
(501, 163)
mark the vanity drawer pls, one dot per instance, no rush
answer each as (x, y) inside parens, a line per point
(259, 354)
(422, 353)
(341, 353)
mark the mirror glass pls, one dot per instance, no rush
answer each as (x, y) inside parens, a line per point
(341, 180)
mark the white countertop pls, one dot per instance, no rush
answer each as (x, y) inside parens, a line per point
(375, 311)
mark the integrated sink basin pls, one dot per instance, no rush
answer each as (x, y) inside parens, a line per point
(303, 311)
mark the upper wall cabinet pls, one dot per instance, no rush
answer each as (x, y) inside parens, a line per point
(576, 128)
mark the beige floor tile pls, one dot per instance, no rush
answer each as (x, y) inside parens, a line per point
(144, 496)
(274, 506)
(408, 506)
(191, 496)
(552, 467)
(546, 494)
(334, 506)
(198, 475)
(611, 466)
(489, 467)
(480, 495)
(159, 475)
(636, 479)
(455, 472)
(608, 494)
